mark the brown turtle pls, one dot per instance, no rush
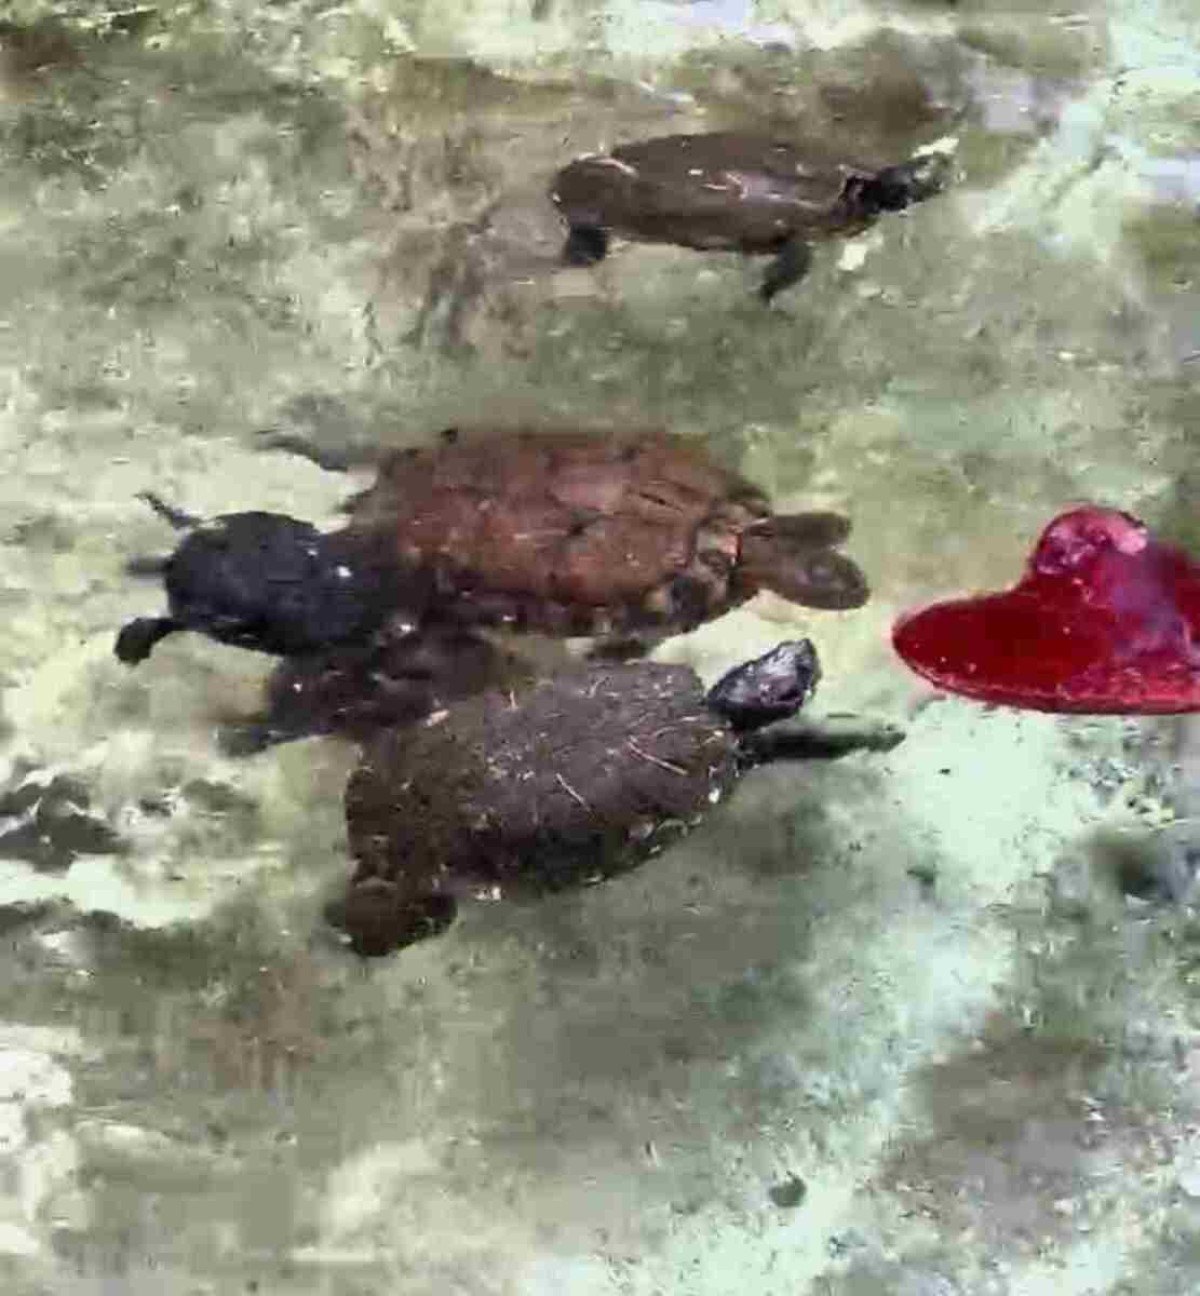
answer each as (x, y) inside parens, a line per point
(634, 534)
(732, 192)
(394, 678)
(562, 783)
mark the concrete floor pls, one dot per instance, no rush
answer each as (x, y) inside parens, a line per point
(892, 1024)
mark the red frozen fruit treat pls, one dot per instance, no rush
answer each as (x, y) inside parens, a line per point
(1105, 620)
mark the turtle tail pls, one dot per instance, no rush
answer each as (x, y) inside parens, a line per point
(180, 520)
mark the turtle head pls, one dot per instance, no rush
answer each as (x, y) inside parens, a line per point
(893, 188)
(771, 687)
(795, 556)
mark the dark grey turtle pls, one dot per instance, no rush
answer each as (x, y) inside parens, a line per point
(725, 191)
(562, 783)
(269, 582)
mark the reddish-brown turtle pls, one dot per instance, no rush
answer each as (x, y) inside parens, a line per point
(635, 534)
(1105, 619)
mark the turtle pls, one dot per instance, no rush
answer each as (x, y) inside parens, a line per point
(272, 583)
(624, 537)
(392, 679)
(731, 191)
(572, 779)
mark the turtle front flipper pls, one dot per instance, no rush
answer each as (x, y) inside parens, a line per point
(331, 458)
(623, 647)
(790, 265)
(378, 917)
(586, 245)
(795, 558)
(137, 638)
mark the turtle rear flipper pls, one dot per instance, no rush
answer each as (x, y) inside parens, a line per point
(624, 647)
(377, 917)
(585, 245)
(794, 557)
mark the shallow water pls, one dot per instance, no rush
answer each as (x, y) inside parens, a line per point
(916, 983)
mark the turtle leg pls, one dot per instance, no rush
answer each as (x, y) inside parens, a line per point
(137, 638)
(820, 738)
(378, 917)
(586, 245)
(331, 458)
(146, 565)
(338, 458)
(790, 265)
(623, 648)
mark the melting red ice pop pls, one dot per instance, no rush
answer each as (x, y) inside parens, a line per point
(1106, 619)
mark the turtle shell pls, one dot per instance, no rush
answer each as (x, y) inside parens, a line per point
(390, 681)
(715, 191)
(574, 779)
(574, 533)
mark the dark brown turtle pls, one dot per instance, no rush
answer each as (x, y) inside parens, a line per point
(634, 534)
(731, 192)
(396, 678)
(565, 782)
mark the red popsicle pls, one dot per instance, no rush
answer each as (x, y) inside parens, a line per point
(1106, 619)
